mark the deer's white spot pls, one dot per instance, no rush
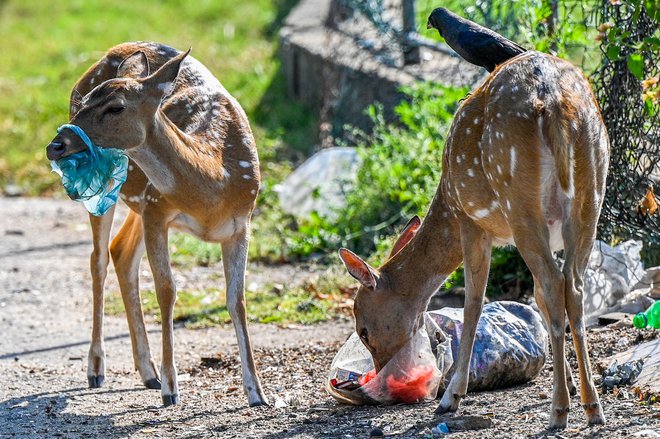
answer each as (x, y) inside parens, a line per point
(499, 169)
(481, 213)
(470, 203)
(508, 205)
(462, 184)
(476, 121)
(468, 131)
(244, 164)
(494, 205)
(130, 167)
(247, 141)
(476, 160)
(470, 172)
(498, 115)
(513, 158)
(253, 191)
(247, 176)
(458, 159)
(514, 88)
(498, 135)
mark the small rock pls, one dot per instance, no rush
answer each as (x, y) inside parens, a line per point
(280, 403)
(376, 432)
(543, 395)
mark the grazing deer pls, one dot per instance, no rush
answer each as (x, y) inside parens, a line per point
(193, 167)
(524, 164)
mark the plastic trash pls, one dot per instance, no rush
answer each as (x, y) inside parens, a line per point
(410, 376)
(510, 348)
(649, 318)
(622, 374)
(610, 275)
(440, 429)
(319, 184)
(93, 177)
(510, 344)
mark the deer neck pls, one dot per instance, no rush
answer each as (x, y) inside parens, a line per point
(170, 157)
(422, 266)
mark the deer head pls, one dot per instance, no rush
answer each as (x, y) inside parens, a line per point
(384, 319)
(120, 112)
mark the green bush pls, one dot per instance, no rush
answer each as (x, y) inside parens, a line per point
(401, 166)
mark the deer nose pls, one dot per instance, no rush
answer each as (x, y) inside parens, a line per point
(55, 149)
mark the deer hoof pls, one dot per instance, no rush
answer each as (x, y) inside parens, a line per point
(153, 383)
(169, 400)
(95, 381)
(259, 402)
(558, 419)
(594, 413)
(442, 410)
(572, 390)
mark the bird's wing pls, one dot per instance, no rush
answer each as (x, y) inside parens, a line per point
(488, 48)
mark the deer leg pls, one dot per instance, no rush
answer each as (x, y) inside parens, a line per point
(234, 260)
(535, 249)
(155, 234)
(577, 257)
(127, 249)
(476, 246)
(99, 259)
(538, 295)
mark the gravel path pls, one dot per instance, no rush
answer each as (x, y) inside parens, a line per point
(45, 307)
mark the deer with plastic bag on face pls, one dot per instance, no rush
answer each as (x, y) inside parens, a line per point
(524, 164)
(193, 166)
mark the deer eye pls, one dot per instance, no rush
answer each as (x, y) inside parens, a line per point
(114, 110)
(364, 335)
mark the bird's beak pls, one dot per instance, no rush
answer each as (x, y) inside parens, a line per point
(429, 25)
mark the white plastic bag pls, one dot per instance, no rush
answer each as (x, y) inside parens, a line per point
(410, 376)
(510, 348)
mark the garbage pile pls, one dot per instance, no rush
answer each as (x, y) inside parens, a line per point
(510, 348)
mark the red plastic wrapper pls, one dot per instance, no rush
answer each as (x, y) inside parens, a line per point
(411, 376)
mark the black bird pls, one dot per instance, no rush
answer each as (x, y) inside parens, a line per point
(476, 44)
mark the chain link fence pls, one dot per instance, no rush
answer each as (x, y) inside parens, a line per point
(634, 130)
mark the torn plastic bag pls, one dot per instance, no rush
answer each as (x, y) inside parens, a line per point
(412, 375)
(93, 177)
(510, 348)
(510, 344)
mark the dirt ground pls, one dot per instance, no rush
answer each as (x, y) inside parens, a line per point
(45, 307)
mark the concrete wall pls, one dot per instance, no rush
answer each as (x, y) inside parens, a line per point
(337, 66)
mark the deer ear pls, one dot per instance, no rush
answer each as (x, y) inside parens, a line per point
(358, 268)
(408, 233)
(134, 66)
(161, 83)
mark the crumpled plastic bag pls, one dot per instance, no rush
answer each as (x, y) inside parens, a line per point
(610, 275)
(622, 374)
(510, 345)
(93, 177)
(412, 375)
(510, 348)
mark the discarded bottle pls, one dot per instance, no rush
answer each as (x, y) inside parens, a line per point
(649, 318)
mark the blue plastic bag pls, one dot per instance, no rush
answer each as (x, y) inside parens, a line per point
(93, 177)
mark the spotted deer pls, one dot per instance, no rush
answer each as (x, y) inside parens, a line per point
(193, 166)
(524, 164)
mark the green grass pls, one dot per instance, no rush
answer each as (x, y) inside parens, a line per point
(325, 299)
(48, 45)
